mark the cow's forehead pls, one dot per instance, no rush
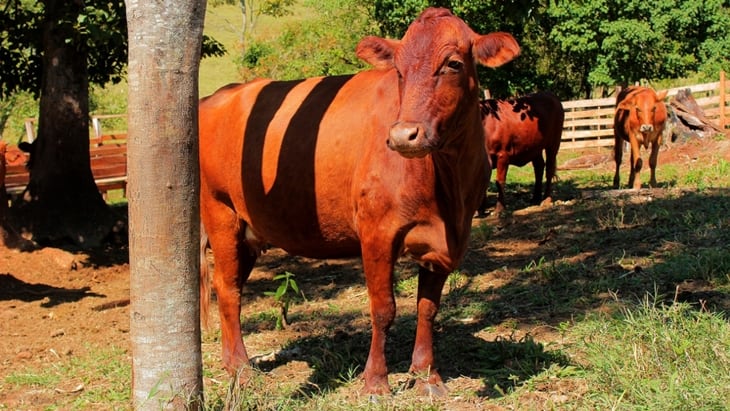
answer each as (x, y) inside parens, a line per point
(430, 40)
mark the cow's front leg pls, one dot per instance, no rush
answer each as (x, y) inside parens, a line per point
(636, 164)
(378, 267)
(653, 162)
(430, 286)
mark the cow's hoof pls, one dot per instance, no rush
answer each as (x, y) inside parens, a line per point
(244, 375)
(376, 389)
(432, 389)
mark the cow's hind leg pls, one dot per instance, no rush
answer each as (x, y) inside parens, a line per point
(502, 162)
(653, 162)
(234, 259)
(430, 286)
(538, 166)
(550, 169)
(618, 152)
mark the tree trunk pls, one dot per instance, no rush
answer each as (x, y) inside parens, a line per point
(165, 40)
(63, 203)
(687, 119)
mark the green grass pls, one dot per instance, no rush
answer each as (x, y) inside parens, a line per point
(97, 380)
(657, 357)
(223, 24)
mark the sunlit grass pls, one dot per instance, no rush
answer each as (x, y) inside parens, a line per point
(658, 357)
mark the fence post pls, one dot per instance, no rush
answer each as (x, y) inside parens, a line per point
(30, 129)
(723, 100)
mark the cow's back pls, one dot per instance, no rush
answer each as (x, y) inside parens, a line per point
(286, 154)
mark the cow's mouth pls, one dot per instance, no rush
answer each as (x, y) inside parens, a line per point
(410, 152)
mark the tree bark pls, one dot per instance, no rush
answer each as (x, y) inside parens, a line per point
(165, 40)
(63, 203)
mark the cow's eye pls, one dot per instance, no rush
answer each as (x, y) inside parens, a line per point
(452, 66)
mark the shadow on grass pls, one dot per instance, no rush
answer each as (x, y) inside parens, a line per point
(336, 357)
(572, 259)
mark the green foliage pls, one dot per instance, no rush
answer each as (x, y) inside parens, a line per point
(324, 45)
(626, 41)
(13, 111)
(572, 47)
(19, 46)
(98, 32)
(284, 295)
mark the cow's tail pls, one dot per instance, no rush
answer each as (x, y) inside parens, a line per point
(204, 279)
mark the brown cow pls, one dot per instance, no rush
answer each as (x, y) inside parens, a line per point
(639, 119)
(517, 131)
(384, 163)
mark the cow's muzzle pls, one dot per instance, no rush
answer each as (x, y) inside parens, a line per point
(646, 128)
(409, 139)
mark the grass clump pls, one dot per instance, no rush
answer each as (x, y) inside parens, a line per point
(658, 357)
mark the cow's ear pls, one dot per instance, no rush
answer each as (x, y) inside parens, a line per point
(627, 104)
(660, 96)
(377, 51)
(495, 49)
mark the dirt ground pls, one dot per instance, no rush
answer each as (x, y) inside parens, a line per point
(56, 304)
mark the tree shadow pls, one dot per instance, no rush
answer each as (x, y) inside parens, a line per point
(12, 288)
(578, 257)
(582, 257)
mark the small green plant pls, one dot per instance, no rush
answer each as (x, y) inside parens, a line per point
(284, 295)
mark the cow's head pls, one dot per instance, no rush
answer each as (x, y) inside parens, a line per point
(436, 65)
(646, 107)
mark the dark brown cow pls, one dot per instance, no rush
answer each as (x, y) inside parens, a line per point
(384, 163)
(640, 117)
(517, 132)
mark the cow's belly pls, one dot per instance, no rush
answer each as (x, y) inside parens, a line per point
(523, 156)
(301, 208)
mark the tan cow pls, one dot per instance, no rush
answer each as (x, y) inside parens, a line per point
(639, 120)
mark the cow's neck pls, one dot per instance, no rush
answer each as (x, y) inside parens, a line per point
(460, 180)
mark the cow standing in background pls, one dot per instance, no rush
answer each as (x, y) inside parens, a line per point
(517, 132)
(384, 163)
(639, 120)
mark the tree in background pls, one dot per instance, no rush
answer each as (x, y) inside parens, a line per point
(56, 49)
(626, 41)
(251, 10)
(570, 47)
(319, 46)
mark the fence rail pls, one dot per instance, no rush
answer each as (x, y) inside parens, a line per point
(589, 123)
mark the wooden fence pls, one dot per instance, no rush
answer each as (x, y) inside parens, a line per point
(589, 123)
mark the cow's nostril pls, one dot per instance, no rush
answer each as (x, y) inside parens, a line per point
(404, 134)
(413, 133)
(646, 128)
